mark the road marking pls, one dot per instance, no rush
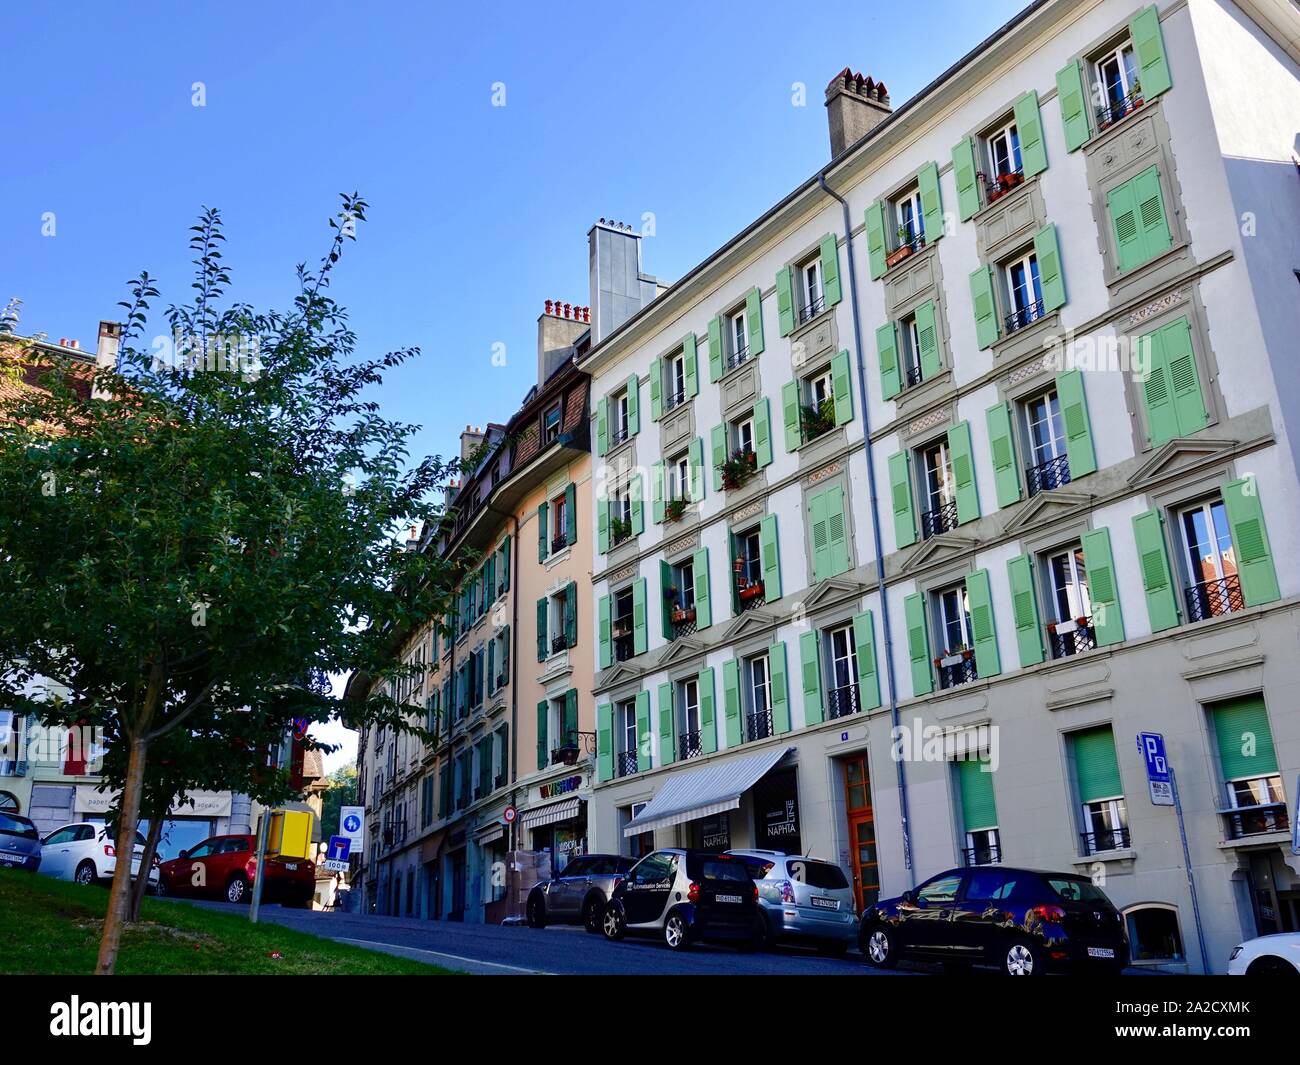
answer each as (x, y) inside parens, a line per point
(439, 954)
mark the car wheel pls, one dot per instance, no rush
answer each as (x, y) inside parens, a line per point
(1270, 966)
(833, 948)
(675, 932)
(1023, 957)
(591, 914)
(879, 947)
(237, 889)
(85, 873)
(536, 912)
(612, 925)
(160, 889)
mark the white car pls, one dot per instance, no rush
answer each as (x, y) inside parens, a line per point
(1276, 955)
(85, 852)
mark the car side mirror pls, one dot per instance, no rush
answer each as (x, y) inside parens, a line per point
(183, 854)
(909, 897)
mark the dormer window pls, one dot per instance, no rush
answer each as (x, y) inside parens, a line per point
(551, 425)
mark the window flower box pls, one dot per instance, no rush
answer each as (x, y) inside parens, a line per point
(738, 469)
(953, 658)
(674, 509)
(681, 614)
(750, 590)
(898, 255)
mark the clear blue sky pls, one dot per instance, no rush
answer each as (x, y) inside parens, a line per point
(478, 213)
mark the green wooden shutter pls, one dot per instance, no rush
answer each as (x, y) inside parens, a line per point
(691, 365)
(602, 525)
(491, 664)
(1006, 475)
(979, 811)
(1157, 395)
(543, 532)
(643, 732)
(1095, 765)
(1157, 577)
(667, 740)
(605, 742)
(1244, 738)
(810, 662)
(708, 715)
(1121, 202)
(1047, 247)
(876, 240)
(770, 551)
(700, 577)
(900, 488)
(1024, 608)
(1152, 221)
(754, 320)
(891, 377)
(963, 172)
(1029, 124)
(505, 655)
(657, 492)
(1078, 426)
(731, 700)
(605, 639)
(633, 405)
(790, 413)
(1184, 380)
(864, 648)
(1250, 542)
(988, 663)
(927, 178)
(927, 340)
(571, 513)
(780, 689)
(695, 466)
(715, 348)
(785, 301)
(667, 598)
(838, 559)
(830, 256)
(602, 425)
(1103, 588)
(1074, 101)
(963, 472)
(543, 650)
(636, 501)
(505, 564)
(842, 388)
(986, 307)
(543, 716)
(918, 644)
(763, 433)
(571, 614)
(1149, 47)
(639, 632)
(569, 730)
(817, 534)
(656, 389)
(718, 441)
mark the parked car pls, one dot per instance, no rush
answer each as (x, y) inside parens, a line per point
(86, 852)
(225, 867)
(1275, 955)
(1024, 921)
(803, 899)
(686, 897)
(579, 893)
(20, 843)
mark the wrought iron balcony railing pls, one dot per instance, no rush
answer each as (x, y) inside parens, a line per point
(674, 399)
(1070, 637)
(959, 672)
(1048, 475)
(689, 745)
(1017, 320)
(737, 357)
(559, 643)
(938, 520)
(1122, 108)
(842, 701)
(912, 376)
(758, 726)
(984, 854)
(559, 542)
(1106, 839)
(1243, 821)
(626, 763)
(812, 309)
(1210, 599)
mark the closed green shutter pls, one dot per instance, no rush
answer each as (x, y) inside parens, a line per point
(1157, 577)
(691, 365)
(842, 388)
(1006, 476)
(1024, 608)
(700, 578)
(754, 320)
(695, 467)
(1121, 202)
(1149, 47)
(963, 172)
(656, 389)
(810, 663)
(830, 256)
(979, 810)
(1103, 588)
(1250, 542)
(639, 633)
(543, 651)
(569, 727)
(602, 425)
(731, 700)
(780, 689)
(763, 433)
(1184, 379)
(657, 492)
(1029, 124)
(543, 532)
(716, 358)
(1095, 766)
(605, 742)
(900, 489)
(570, 514)
(876, 240)
(602, 526)
(1074, 104)
(1152, 220)
(770, 552)
(830, 538)
(1245, 741)
(667, 739)
(1078, 426)
(927, 341)
(1157, 395)
(963, 472)
(817, 534)
(504, 668)
(891, 377)
(1047, 247)
(636, 501)
(643, 732)
(633, 405)
(667, 598)
(605, 640)
(986, 307)
(491, 666)
(708, 714)
(785, 301)
(543, 716)
(918, 644)
(790, 413)
(988, 663)
(927, 179)
(864, 647)
(719, 449)
(505, 564)
(571, 614)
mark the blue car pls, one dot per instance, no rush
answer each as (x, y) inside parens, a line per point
(20, 843)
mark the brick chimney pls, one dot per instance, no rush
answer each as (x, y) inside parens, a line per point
(106, 351)
(855, 105)
(557, 329)
(470, 439)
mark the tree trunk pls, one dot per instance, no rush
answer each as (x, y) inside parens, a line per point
(156, 823)
(119, 894)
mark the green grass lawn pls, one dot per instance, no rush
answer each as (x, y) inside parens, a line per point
(50, 927)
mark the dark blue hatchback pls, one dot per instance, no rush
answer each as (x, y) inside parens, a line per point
(20, 843)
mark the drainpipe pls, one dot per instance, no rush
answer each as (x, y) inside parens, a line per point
(875, 525)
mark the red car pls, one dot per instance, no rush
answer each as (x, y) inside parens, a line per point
(225, 867)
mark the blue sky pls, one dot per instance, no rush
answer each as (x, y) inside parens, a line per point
(478, 213)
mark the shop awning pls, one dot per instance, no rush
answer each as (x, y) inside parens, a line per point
(564, 810)
(490, 834)
(703, 792)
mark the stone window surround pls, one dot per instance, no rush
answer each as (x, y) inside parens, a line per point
(927, 255)
(731, 411)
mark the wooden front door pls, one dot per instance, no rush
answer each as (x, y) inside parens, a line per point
(862, 831)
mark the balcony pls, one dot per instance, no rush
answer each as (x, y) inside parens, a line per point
(626, 764)
(909, 244)
(1118, 110)
(689, 746)
(620, 530)
(559, 643)
(1107, 839)
(956, 668)
(559, 542)
(567, 751)
(1240, 822)
(1210, 599)
(501, 681)
(1071, 637)
(911, 376)
(737, 357)
(989, 853)
(500, 781)
(618, 434)
(479, 793)
(737, 470)
(674, 399)
(674, 509)
(994, 186)
(1017, 320)
(624, 643)
(750, 593)
(682, 619)
(812, 309)
(1048, 475)
(816, 421)
(842, 701)
(938, 520)
(758, 726)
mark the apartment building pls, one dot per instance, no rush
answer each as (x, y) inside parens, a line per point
(966, 463)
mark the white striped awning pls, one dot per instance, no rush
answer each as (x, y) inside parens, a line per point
(564, 810)
(712, 789)
(490, 834)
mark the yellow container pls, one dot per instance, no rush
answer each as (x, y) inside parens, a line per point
(289, 833)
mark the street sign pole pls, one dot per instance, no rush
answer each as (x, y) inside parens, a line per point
(258, 878)
(1191, 881)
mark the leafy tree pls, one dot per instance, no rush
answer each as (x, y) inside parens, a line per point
(340, 791)
(184, 549)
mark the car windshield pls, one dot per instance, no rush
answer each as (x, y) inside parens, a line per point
(1076, 889)
(17, 826)
(757, 868)
(722, 869)
(822, 875)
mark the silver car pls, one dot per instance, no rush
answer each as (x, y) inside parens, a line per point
(804, 899)
(579, 893)
(20, 843)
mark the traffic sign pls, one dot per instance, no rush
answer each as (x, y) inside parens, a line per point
(340, 849)
(509, 814)
(1152, 747)
(352, 823)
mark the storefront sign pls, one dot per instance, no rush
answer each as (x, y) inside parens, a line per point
(715, 833)
(776, 812)
(91, 801)
(559, 787)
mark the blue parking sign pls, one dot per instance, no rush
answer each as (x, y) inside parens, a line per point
(1152, 746)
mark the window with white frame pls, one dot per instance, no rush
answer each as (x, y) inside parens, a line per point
(550, 427)
(938, 489)
(620, 513)
(679, 478)
(619, 417)
(952, 620)
(625, 723)
(758, 689)
(738, 338)
(1024, 291)
(1211, 560)
(909, 217)
(560, 522)
(1117, 76)
(675, 383)
(1004, 151)
(842, 695)
(1106, 823)
(688, 718)
(812, 298)
(1069, 626)
(1049, 464)
(742, 436)
(1153, 933)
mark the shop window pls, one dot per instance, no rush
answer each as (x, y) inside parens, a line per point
(1153, 934)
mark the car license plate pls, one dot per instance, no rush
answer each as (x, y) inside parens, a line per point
(12, 858)
(291, 866)
(728, 898)
(1100, 952)
(820, 903)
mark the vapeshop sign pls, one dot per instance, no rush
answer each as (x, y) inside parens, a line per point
(560, 787)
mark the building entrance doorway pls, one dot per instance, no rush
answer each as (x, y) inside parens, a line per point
(862, 830)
